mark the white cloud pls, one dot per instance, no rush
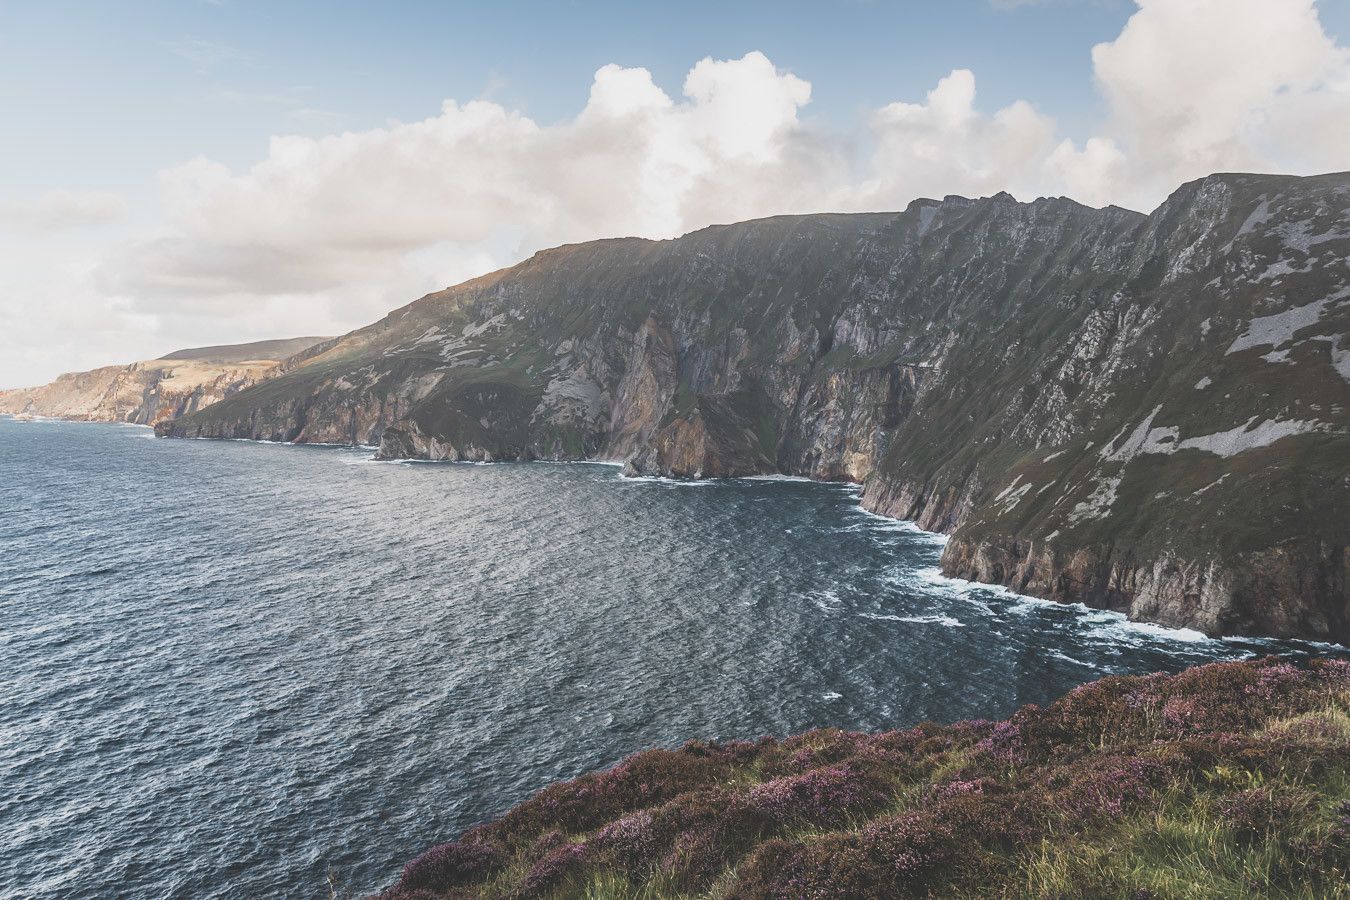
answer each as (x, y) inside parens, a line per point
(946, 145)
(1202, 86)
(60, 210)
(320, 216)
(329, 233)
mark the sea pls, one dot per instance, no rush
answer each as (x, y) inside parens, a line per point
(236, 669)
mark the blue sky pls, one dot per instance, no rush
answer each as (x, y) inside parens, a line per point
(105, 94)
(144, 203)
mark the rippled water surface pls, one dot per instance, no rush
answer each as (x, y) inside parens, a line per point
(240, 670)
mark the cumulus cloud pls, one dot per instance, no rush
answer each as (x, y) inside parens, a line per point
(328, 233)
(319, 216)
(60, 210)
(946, 145)
(1204, 86)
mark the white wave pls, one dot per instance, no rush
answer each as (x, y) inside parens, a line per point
(663, 480)
(826, 600)
(1106, 623)
(1078, 662)
(351, 459)
(917, 620)
(26, 418)
(931, 578)
(831, 695)
(1283, 643)
(325, 445)
(1188, 635)
(901, 525)
(777, 477)
(906, 525)
(577, 462)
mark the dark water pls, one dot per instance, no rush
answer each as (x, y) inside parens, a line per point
(235, 670)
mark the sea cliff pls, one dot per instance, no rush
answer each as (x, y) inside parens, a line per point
(155, 390)
(1144, 413)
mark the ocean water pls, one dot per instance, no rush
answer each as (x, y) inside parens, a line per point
(242, 670)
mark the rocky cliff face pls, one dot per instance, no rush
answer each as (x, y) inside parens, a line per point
(145, 393)
(1146, 413)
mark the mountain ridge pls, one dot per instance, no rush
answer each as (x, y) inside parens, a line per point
(276, 349)
(1081, 397)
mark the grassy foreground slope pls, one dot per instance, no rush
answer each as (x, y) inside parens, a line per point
(1227, 780)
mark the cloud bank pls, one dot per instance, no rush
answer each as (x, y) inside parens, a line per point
(330, 233)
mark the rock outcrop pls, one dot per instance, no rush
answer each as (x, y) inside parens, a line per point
(153, 391)
(1146, 413)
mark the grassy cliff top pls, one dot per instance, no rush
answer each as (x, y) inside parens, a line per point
(1227, 780)
(275, 350)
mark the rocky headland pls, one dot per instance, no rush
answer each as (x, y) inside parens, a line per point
(1146, 413)
(155, 390)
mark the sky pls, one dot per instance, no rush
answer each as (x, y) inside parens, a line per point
(179, 173)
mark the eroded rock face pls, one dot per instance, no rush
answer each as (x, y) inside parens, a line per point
(153, 391)
(1148, 413)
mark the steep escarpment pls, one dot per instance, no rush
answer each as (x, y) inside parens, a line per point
(152, 391)
(1227, 780)
(1146, 413)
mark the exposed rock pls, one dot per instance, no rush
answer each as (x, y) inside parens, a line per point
(1083, 397)
(149, 392)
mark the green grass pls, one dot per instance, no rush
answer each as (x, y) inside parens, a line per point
(1228, 780)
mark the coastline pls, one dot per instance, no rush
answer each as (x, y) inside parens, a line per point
(1111, 618)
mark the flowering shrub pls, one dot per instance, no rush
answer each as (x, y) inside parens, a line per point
(632, 843)
(820, 796)
(1180, 712)
(958, 788)
(448, 865)
(940, 810)
(695, 859)
(1272, 680)
(638, 782)
(1255, 812)
(913, 846)
(1004, 743)
(1108, 787)
(1335, 670)
(554, 868)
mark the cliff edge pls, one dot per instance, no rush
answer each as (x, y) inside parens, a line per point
(155, 390)
(1144, 413)
(1227, 780)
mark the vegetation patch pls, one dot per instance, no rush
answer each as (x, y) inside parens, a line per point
(1227, 780)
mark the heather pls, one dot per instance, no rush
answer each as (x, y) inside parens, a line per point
(1226, 780)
